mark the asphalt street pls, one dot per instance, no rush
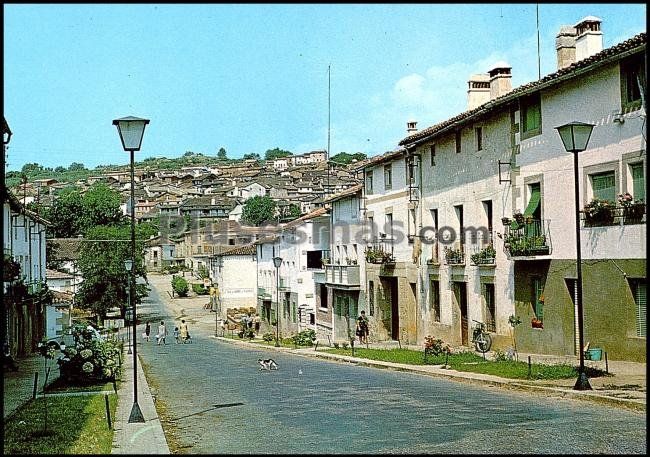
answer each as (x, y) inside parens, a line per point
(216, 400)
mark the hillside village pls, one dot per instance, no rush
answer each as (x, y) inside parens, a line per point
(466, 220)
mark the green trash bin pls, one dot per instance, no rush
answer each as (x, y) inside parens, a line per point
(594, 354)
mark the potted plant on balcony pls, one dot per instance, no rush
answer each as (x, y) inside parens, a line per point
(325, 261)
(506, 221)
(453, 256)
(599, 212)
(485, 256)
(519, 218)
(536, 323)
(633, 210)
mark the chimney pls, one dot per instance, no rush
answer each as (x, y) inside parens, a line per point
(500, 79)
(565, 45)
(478, 91)
(411, 127)
(590, 38)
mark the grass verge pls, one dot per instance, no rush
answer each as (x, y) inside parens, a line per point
(75, 425)
(471, 362)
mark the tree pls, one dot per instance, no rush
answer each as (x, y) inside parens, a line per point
(180, 286)
(64, 214)
(258, 210)
(74, 166)
(252, 155)
(276, 153)
(291, 212)
(31, 168)
(60, 169)
(345, 158)
(101, 264)
(101, 206)
(221, 154)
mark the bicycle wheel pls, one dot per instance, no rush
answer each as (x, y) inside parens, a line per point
(483, 342)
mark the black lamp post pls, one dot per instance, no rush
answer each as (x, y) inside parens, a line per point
(131, 130)
(575, 136)
(128, 265)
(277, 261)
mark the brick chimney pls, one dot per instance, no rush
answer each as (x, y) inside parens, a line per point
(565, 45)
(500, 79)
(478, 91)
(411, 127)
(590, 38)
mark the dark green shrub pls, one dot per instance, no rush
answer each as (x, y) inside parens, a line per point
(304, 338)
(199, 289)
(180, 286)
(268, 337)
(90, 361)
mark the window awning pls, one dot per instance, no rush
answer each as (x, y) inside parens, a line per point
(533, 203)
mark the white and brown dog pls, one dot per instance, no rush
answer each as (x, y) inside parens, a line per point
(267, 364)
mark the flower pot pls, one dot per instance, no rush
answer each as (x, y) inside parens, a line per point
(536, 323)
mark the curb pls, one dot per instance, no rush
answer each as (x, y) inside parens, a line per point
(592, 396)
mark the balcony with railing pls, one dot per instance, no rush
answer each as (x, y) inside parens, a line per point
(483, 252)
(343, 275)
(284, 284)
(610, 215)
(263, 294)
(527, 238)
(380, 251)
(455, 255)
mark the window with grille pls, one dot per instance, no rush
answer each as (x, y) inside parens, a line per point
(604, 186)
(458, 145)
(434, 292)
(639, 292)
(432, 150)
(531, 116)
(479, 138)
(638, 181)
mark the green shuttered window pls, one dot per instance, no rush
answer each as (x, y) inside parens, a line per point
(638, 181)
(604, 186)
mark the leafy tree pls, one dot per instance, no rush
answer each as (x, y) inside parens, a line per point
(101, 263)
(258, 210)
(31, 168)
(291, 212)
(60, 169)
(221, 154)
(72, 214)
(74, 166)
(345, 158)
(252, 155)
(276, 153)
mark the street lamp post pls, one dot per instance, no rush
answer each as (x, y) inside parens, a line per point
(575, 136)
(131, 130)
(128, 265)
(277, 261)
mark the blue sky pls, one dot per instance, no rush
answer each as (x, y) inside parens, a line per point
(253, 77)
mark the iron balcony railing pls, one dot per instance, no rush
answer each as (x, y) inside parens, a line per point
(527, 238)
(380, 250)
(615, 215)
(455, 255)
(345, 275)
(284, 283)
(483, 252)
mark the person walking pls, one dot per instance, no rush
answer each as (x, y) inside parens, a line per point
(256, 322)
(184, 331)
(362, 328)
(176, 335)
(147, 331)
(162, 333)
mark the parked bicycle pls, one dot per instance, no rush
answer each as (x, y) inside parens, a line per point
(481, 338)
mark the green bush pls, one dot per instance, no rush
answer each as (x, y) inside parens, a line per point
(304, 338)
(180, 286)
(199, 289)
(90, 360)
(268, 337)
(172, 269)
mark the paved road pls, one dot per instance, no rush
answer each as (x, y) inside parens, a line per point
(217, 401)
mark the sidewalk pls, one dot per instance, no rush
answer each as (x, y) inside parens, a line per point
(137, 438)
(19, 385)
